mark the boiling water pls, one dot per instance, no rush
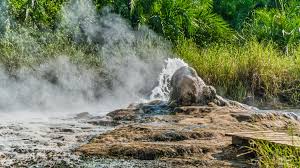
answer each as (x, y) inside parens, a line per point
(48, 138)
(162, 91)
(43, 140)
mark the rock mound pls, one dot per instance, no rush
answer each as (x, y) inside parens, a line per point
(188, 89)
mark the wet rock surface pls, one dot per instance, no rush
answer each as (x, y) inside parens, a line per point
(141, 112)
(186, 131)
(44, 142)
(190, 136)
(187, 136)
(188, 89)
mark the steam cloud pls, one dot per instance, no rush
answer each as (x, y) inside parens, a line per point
(132, 60)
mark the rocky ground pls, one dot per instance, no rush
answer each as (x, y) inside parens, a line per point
(188, 130)
(187, 136)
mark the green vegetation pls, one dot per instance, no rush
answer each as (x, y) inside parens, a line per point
(280, 24)
(272, 155)
(266, 20)
(243, 47)
(40, 13)
(254, 68)
(27, 47)
(176, 19)
(251, 69)
(277, 155)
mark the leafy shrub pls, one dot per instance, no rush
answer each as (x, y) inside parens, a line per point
(280, 24)
(267, 20)
(237, 12)
(175, 20)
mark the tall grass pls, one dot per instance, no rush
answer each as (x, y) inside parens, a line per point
(271, 155)
(274, 155)
(252, 69)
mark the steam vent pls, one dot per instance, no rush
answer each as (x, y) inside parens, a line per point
(194, 128)
(149, 84)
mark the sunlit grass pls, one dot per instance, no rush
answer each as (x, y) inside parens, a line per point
(253, 69)
(271, 155)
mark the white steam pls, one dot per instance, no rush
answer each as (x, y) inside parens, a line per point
(55, 86)
(132, 61)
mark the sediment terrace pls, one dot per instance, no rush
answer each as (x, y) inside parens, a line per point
(189, 136)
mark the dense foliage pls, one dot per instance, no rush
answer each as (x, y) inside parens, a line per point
(204, 21)
(40, 13)
(175, 20)
(254, 43)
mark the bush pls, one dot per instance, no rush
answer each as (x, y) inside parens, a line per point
(267, 20)
(237, 12)
(175, 20)
(280, 24)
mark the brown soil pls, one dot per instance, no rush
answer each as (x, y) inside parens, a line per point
(191, 137)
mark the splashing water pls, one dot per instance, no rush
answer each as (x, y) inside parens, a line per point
(162, 91)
